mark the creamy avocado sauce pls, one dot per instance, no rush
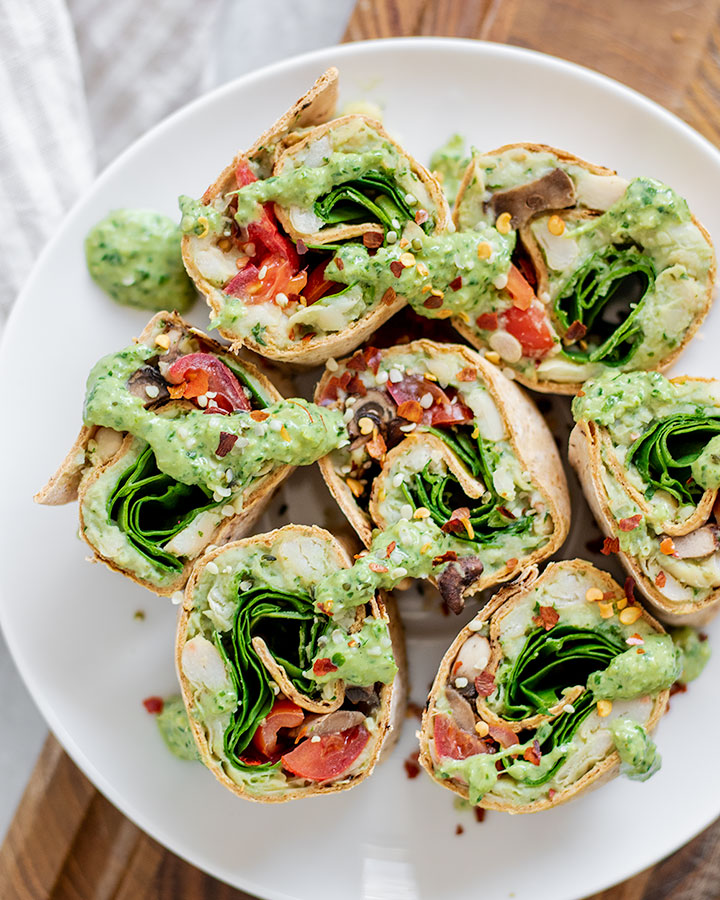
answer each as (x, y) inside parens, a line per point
(134, 256)
(361, 657)
(295, 432)
(448, 163)
(695, 652)
(198, 218)
(633, 673)
(639, 757)
(175, 730)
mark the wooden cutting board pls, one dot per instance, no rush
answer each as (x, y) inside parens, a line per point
(67, 842)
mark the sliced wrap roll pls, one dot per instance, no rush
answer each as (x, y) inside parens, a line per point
(550, 690)
(606, 274)
(182, 446)
(438, 433)
(260, 242)
(647, 452)
(283, 701)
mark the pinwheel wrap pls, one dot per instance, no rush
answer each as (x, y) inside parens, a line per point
(647, 452)
(436, 431)
(606, 274)
(543, 694)
(250, 641)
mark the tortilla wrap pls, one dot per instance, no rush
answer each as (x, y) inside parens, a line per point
(498, 635)
(303, 554)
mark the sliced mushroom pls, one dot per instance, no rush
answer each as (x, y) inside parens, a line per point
(699, 543)
(365, 698)
(553, 191)
(461, 710)
(333, 722)
(376, 406)
(456, 578)
(148, 384)
(473, 657)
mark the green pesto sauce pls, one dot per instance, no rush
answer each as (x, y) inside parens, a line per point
(633, 674)
(639, 757)
(362, 658)
(706, 468)
(185, 440)
(196, 218)
(175, 730)
(134, 256)
(450, 162)
(695, 653)
(479, 771)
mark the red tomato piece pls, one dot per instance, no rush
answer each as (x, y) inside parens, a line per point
(318, 286)
(261, 285)
(531, 327)
(453, 742)
(329, 757)
(265, 230)
(443, 411)
(518, 288)
(220, 379)
(284, 714)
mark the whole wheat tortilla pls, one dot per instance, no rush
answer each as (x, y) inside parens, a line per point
(527, 432)
(392, 696)
(504, 599)
(546, 386)
(75, 475)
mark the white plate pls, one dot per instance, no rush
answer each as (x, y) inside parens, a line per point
(89, 662)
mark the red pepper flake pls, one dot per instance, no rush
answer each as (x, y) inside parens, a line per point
(372, 240)
(610, 545)
(390, 547)
(459, 829)
(629, 589)
(177, 391)
(487, 321)
(485, 684)
(411, 765)
(433, 302)
(257, 415)
(506, 737)
(551, 793)
(512, 562)
(678, 688)
(580, 394)
(467, 374)
(639, 651)
(154, 705)
(479, 814)
(324, 666)
(226, 443)
(377, 448)
(410, 410)
(456, 523)
(422, 215)
(357, 362)
(308, 337)
(575, 332)
(372, 358)
(396, 267)
(504, 511)
(661, 579)
(548, 617)
(456, 283)
(377, 567)
(356, 386)
(630, 524)
(302, 249)
(447, 556)
(389, 297)
(533, 754)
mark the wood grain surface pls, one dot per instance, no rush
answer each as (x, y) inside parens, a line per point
(67, 842)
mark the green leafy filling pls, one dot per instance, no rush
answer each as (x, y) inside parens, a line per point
(375, 196)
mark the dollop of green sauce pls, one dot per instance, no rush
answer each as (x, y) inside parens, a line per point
(450, 162)
(369, 659)
(134, 256)
(706, 468)
(695, 652)
(174, 727)
(632, 674)
(639, 757)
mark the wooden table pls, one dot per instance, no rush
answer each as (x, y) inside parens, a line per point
(67, 842)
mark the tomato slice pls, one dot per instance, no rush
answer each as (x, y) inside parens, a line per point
(453, 742)
(264, 231)
(518, 288)
(531, 327)
(202, 372)
(443, 411)
(284, 714)
(278, 277)
(317, 285)
(329, 757)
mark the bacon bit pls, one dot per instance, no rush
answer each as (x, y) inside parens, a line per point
(467, 374)
(667, 547)
(257, 415)
(410, 410)
(376, 446)
(388, 298)
(661, 579)
(512, 562)
(479, 814)
(485, 684)
(610, 545)
(630, 524)
(575, 332)
(390, 547)
(634, 640)
(447, 556)
(629, 589)
(225, 444)
(548, 617)
(504, 511)
(504, 736)
(422, 215)
(433, 302)
(487, 321)
(456, 283)
(412, 767)
(533, 754)
(340, 264)
(285, 434)
(372, 240)
(154, 705)
(324, 666)
(377, 567)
